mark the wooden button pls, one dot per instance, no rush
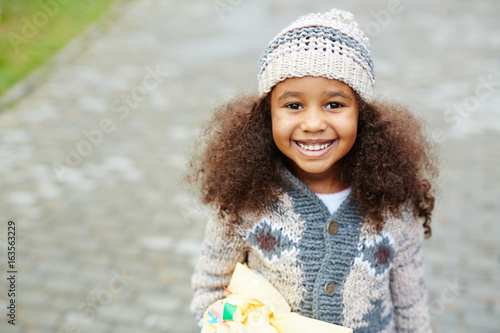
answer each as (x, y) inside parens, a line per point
(333, 227)
(330, 288)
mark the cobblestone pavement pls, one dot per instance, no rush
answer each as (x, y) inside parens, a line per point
(90, 162)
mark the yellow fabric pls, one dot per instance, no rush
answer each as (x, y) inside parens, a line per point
(260, 308)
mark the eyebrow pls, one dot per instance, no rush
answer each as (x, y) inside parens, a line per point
(336, 93)
(287, 94)
(329, 93)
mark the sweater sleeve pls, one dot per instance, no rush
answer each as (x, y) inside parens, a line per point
(222, 248)
(409, 293)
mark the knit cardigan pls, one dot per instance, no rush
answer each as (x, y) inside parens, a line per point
(331, 267)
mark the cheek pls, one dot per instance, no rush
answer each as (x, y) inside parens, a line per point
(347, 131)
(348, 128)
(281, 130)
(280, 134)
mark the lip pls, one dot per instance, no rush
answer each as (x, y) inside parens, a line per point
(314, 142)
(314, 153)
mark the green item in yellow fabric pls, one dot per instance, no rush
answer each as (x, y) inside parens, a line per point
(254, 305)
(229, 311)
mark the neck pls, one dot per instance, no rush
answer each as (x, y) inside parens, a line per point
(327, 182)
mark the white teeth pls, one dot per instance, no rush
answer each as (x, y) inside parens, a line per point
(316, 147)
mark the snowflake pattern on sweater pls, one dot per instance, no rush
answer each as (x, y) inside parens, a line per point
(378, 276)
(377, 254)
(270, 240)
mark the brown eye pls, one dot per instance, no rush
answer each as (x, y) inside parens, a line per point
(333, 105)
(294, 106)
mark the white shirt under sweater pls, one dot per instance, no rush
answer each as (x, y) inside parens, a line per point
(333, 200)
(382, 289)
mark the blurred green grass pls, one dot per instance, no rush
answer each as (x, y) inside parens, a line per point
(32, 31)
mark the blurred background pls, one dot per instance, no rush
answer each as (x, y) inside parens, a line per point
(100, 99)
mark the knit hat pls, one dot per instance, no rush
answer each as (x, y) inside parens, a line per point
(329, 45)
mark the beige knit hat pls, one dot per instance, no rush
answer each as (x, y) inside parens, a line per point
(329, 45)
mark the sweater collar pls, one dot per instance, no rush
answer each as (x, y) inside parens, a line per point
(348, 207)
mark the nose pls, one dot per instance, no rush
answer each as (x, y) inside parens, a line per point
(313, 120)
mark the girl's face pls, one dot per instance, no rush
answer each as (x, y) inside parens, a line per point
(314, 122)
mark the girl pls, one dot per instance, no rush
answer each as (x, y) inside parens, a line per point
(318, 187)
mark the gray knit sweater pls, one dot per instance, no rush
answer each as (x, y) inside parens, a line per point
(331, 267)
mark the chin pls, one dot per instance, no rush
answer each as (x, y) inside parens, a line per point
(315, 170)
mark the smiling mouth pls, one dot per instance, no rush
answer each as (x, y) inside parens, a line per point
(314, 147)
